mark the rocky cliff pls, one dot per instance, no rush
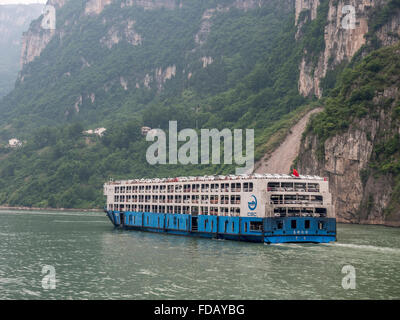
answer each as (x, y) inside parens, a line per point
(36, 38)
(356, 144)
(343, 36)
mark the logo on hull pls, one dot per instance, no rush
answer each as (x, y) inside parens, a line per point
(253, 204)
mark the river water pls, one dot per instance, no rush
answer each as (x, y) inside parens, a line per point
(92, 260)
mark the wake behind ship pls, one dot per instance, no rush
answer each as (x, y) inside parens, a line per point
(268, 208)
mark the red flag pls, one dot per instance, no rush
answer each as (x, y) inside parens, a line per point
(295, 173)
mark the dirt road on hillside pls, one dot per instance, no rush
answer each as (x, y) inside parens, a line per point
(282, 158)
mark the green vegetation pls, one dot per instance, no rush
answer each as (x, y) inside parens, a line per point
(254, 69)
(252, 83)
(313, 32)
(353, 96)
(367, 90)
(77, 84)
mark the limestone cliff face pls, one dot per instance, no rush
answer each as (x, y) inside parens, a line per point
(389, 34)
(360, 196)
(341, 42)
(311, 5)
(37, 38)
(33, 43)
(346, 157)
(114, 35)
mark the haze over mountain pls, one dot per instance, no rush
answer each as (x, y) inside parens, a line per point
(14, 20)
(262, 64)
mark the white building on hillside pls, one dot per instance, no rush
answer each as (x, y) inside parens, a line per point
(14, 143)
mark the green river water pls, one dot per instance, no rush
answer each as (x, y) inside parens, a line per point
(92, 260)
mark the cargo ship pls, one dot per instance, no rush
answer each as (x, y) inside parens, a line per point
(267, 208)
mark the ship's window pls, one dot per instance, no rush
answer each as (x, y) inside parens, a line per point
(299, 186)
(293, 224)
(233, 226)
(290, 198)
(306, 224)
(276, 199)
(313, 187)
(214, 187)
(256, 225)
(195, 210)
(316, 198)
(322, 211)
(235, 187)
(303, 197)
(273, 186)
(294, 212)
(250, 186)
(226, 225)
(288, 186)
(279, 224)
(320, 225)
(225, 187)
(280, 212)
(237, 212)
(245, 227)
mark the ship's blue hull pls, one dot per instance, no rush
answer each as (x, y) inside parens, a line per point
(268, 230)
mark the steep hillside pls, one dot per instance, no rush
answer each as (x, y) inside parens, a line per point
(109, 60)
(124, 64)
(338, 36)
(285, 147)
(356, 141)
(14, 20)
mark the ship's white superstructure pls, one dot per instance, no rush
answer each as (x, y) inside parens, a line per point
(269, 195)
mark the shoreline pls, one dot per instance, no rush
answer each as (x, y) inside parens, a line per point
(49, 209)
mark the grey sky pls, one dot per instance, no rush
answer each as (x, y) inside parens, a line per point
(21, 1)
